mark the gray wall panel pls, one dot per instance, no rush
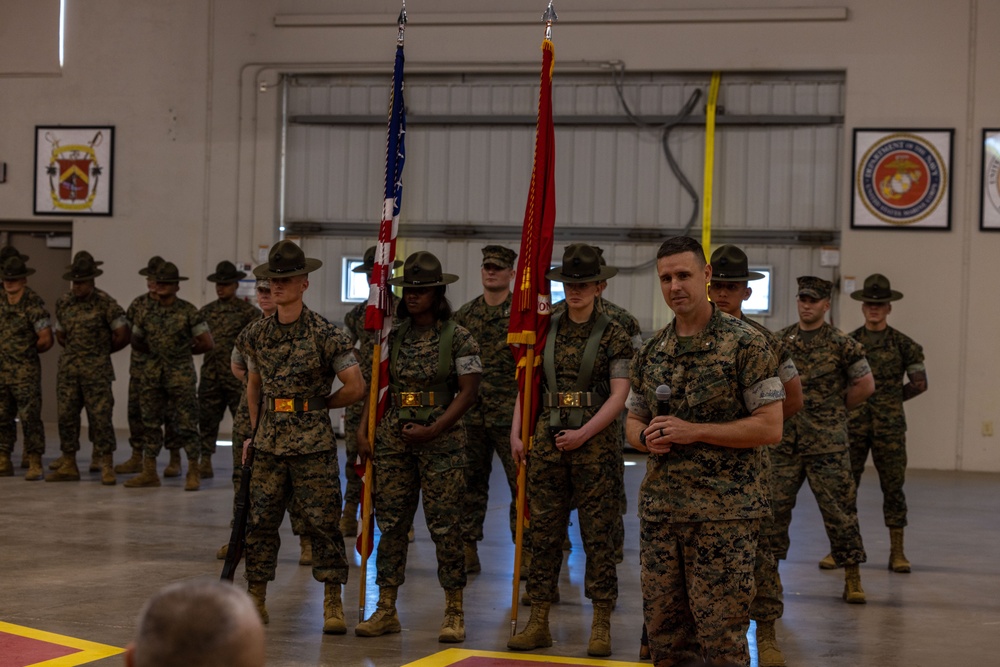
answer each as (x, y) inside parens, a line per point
(608, 176)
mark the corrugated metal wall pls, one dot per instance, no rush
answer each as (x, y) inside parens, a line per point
(610, 175)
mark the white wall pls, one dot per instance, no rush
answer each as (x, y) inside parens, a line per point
(197, 142)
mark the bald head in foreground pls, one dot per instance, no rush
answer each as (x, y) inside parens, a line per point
(195, 624)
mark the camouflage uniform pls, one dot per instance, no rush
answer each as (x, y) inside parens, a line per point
(242, 431)
(21, 371)
(584, 475)
(879, 424)
(354, 323)
(437, 468)
(85, 372)
(814, 445)
(768, 603)
(631, 326)
(295, 459)
(168, 383)
(700, 505)
(487, 423)
(138, 363)
(218, 388)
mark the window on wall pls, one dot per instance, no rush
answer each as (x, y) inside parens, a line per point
(759, 302)
(354, 286)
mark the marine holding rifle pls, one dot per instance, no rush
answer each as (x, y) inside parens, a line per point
(420, 443)
(577, 441)
(292, 358)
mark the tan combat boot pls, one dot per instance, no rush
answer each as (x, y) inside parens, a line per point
(173, 468)
(305, 550)
(108, 471)
(349, 520)
(35, 471)
(384, 620)
(258, 591)
(827, 563)
(147, 478)
(67, 472)
(95, 462)
(333, 611)
(6, 465)
(768, 653)
(55, 465)
(897, 560)
(134, 464)
(853, 593)
(536, 633)
(453, 625)
(205, 467)
(472, 564)
(193, 480)
(222, 552)
(600, 630)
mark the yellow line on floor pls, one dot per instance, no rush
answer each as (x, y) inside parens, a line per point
(87, 651)
(451, 656)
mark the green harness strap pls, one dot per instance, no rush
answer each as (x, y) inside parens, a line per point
(585, 375)
(439, 384)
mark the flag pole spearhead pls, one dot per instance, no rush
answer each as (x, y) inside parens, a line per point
(402, 24)
(549, 17)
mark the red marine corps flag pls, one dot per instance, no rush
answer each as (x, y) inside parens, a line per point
(532, 302)
(378, 315)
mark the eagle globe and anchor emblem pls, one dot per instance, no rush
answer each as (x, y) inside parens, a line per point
(900, 179)
(74, 173)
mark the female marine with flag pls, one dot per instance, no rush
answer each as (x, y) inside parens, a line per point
(577, 437)
(434, 372)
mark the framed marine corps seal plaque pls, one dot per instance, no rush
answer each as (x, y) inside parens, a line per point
(902, 179)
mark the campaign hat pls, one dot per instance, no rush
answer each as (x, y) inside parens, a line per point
(730, 264)
(83, 268)
(154, 263)
(876, 290)
(423, 269)
(285, 260)
(581, 264)
(226, 272)
(10, 251)
(168, 273)
(14, 268)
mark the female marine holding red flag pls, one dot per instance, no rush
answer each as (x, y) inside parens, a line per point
(577, 439)
(434, 372)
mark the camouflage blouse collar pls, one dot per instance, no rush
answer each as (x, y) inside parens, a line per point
(703, 341)
(822, 334)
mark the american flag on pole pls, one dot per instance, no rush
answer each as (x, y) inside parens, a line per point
(378, 315)
(532, 300)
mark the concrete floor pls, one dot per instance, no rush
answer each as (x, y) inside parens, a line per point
(80, 559)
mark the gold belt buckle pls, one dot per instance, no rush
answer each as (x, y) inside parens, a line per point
(410, 399)
(569, 399)
(284, 405)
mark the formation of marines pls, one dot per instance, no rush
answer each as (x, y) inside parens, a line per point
(734, 417)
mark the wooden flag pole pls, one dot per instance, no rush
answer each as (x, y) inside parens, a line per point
(366, 501)
(522, 484)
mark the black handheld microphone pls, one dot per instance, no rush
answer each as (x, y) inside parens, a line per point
(663, 400)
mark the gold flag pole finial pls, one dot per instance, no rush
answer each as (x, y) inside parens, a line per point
(549, 17)
(402, 24)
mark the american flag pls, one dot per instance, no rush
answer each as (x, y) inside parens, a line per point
(378, 315)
